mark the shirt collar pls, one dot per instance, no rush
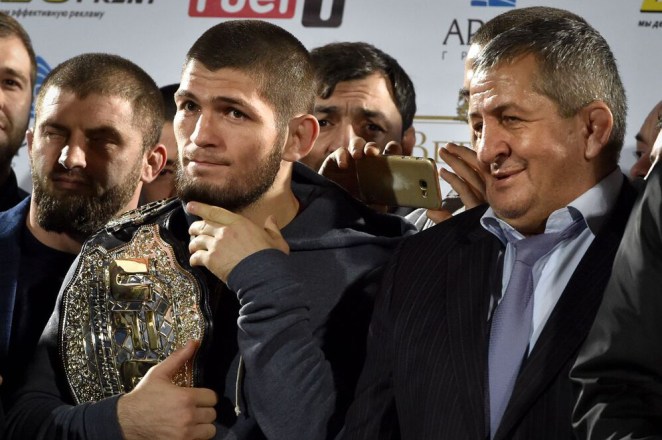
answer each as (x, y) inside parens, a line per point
(594, 205)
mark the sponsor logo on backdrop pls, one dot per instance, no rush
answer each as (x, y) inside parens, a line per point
(651, 6)
(30, 12)
(316, 13)
(488, 3)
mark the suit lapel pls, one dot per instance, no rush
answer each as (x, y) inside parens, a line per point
(469, 285)
(571, 318)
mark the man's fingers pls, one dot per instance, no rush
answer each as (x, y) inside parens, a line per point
(205, 414)
(464, 171)
(173, 363)
(394, 148)
(204, 432)
(465, 153)
(469, 195)
(211, 213)
(206, 399)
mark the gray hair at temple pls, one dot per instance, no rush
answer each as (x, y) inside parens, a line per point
(575, 67)
(517, 17)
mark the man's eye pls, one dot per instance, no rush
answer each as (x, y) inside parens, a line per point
(323, 123)
(189, 106)
(374, 127)
(236, 114)
(11, 83)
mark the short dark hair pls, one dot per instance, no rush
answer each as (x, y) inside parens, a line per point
(575, 67)
(9, 27)
(168, 94)
(338, 62)
(111, 75)
(270, 54)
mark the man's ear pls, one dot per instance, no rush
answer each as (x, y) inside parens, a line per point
(408, 141)
(29, 138)
(303, 131)
(153, 162)
(598, 123)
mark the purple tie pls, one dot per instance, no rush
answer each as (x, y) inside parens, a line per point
(511, 322)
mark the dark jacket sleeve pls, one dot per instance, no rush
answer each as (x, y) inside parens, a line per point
(293, 384)
(43, 408)
(373, 414)
(618, 373)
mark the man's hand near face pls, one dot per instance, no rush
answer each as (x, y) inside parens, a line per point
(222, 238)
(465, 179)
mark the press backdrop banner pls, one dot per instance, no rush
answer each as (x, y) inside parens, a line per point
(428, 37)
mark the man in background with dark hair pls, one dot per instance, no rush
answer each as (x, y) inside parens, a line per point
(88, 157)
(267, 265)
(365, 100)
(18, 72)
(363, 93)
(163, 186)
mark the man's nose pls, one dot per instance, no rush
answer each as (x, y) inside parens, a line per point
(72, 156)
(491, 144)
(205, 132)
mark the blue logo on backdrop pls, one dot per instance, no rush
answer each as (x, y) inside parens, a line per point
(510, 3)
(42, 70)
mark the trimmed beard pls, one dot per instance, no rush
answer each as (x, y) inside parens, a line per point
(79, 216)
(233, 196)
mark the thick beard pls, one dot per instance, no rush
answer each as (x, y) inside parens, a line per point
(233, 196)
(79, 216)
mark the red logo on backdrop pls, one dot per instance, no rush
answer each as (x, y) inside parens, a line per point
(242, 8)
(314, 14)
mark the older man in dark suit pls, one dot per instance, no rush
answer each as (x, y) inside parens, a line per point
(481, 317)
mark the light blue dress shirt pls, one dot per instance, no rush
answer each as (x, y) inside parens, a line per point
(552, 271)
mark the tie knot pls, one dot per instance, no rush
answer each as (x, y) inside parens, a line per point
(529, 250)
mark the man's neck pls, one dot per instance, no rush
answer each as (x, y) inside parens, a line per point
(279, 201)
(4, 175)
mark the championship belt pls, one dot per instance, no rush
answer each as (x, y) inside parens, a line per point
(125, 310)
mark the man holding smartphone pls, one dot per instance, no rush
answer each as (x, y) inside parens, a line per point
(366, 105)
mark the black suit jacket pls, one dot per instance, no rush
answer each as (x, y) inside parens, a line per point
(425, 374)
(619, 368)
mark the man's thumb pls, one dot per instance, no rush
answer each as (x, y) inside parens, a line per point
(176, 361)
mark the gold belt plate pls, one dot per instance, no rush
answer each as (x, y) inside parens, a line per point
(125, 310)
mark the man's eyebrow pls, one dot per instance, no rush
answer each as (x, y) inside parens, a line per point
(326, 109)
(216, 99)
(639, 138)
(104, 130)
(13, 72)
(373, 114)
(51, 124)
